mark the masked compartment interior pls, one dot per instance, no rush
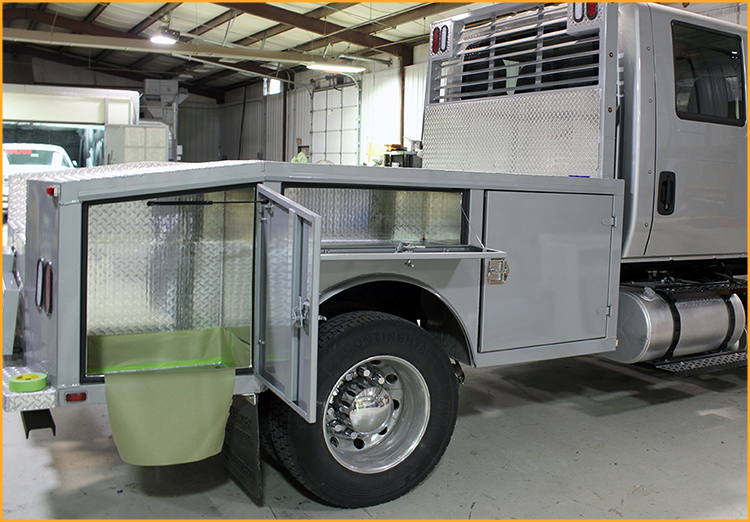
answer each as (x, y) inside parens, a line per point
(169, 282)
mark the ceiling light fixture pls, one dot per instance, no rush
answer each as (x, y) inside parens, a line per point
(388, 62)
(166, 36)
(334, 67)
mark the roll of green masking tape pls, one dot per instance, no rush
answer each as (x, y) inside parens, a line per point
(27, 382)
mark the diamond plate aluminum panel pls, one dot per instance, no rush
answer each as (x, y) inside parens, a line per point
(175, 267)
(17, 182)
(362, 215)
(16, 401)
(547, 134)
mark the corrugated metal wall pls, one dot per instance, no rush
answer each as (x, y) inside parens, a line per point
(251, 134)
(253, 137)
(381, 95)
(298, 121)
(198, 132)
(230, 115)
(274, 127)
(735, 13)
(415, 84)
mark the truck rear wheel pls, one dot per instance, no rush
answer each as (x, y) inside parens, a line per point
(387, 404)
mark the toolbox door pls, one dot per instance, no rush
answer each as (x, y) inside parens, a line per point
(287, 268)
(560, 261)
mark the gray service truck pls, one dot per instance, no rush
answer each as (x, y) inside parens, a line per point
(583, 192)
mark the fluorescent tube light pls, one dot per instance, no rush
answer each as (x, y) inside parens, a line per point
(334, 67)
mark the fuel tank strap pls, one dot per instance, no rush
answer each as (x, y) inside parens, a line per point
(678, 299)
(671, 302)
(732, 321)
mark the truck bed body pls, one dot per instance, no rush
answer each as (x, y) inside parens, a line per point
(564, 256)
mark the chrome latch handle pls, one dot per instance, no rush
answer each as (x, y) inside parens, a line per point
(497, 271)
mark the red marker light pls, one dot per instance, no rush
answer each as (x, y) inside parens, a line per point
(591, 10)
(53, 191)
(75, 397)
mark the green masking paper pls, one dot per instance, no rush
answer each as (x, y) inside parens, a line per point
(168, 417)
(158, 350)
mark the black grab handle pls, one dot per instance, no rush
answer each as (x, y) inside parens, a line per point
(666, 193)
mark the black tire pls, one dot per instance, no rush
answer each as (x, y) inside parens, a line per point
(332, 308)
(404, 361)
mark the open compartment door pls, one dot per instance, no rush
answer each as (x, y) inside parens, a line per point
(288, 268)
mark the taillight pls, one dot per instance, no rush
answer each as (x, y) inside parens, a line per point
(591, 10)
(43, 290)
(39, 293)
(439, 39)
(75, 397)
(48, 288)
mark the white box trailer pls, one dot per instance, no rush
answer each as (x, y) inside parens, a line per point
(324, 311)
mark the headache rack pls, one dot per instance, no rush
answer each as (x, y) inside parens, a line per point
(523, 89)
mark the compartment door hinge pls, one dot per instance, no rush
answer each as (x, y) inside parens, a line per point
(301, 315)
(604, 311)
(610, 221)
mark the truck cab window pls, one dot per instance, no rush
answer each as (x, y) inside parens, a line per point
(708, 75)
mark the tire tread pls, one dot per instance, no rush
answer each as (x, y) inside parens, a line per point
(281, 417)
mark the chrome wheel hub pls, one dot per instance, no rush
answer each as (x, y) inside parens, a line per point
(371, 410)
(376, 414)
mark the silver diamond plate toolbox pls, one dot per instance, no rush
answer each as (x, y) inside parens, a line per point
(173, 267)
(26, 401)
(548, 134)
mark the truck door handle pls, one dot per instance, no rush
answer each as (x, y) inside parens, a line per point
(665, 205)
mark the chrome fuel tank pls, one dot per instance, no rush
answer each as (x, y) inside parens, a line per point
(647, 328)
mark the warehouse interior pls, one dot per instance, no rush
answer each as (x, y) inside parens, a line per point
(582, 438)
(222, 105)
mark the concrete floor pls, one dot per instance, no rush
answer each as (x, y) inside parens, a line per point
(574, 438)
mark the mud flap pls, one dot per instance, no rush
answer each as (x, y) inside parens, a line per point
(242, 444)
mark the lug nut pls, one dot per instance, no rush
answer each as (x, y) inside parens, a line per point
(336, 427)
(378, 377)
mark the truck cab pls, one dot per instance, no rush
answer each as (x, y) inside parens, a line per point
(684, 135)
